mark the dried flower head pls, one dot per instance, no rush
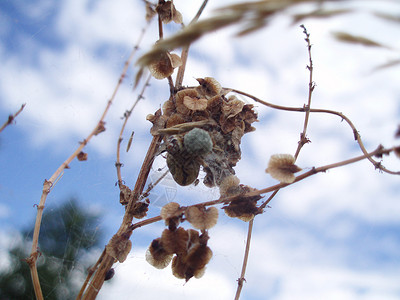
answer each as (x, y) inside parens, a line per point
(282, 167)
(168, 12)
(164, 65)
(202, 218)
(197, 142)
(157, 256)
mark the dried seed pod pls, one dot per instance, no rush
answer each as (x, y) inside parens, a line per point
(282, 167)
(229, 186)
(168, 12)
(109, 274)
(175, 241)
(178, 267)
(164, 65)
(172, 214)
(175, 119)
(232, 107)
(244, 208)
(179, 98)
(183, 170)
(194, 103)
(197, 142)
(157, 256)
(82, 156)
(198, 257)
(168, 107)
(202, 218)
(208, 86)
(191, 264)
(140, 209)
(119, 247)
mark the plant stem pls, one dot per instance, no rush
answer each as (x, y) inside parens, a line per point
(241, 279)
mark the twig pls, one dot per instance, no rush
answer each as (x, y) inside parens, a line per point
(241, 279)
(303, 140)
(185, 51)
(311, 86)
(126, 117)
(90, 273)
(357, 137)
(313, 171)
(48, 184)
(11, 118)
(124, 231)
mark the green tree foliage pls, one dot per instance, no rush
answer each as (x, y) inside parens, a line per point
(67, 233)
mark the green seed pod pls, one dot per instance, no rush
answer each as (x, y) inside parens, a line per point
(197, 142)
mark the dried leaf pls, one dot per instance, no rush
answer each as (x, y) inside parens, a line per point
(356, 39)
(319, 13)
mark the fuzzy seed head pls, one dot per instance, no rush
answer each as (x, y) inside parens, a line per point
(282, 167)
(198, 142)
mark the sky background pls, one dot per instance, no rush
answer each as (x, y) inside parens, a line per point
(332, 236)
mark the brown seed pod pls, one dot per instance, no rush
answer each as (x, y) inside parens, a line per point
(229, 186)
(194, 103)
(119, 247)
(168, 107)
(183, 170)
(282, 167)
(209, 87)
(175, 119)
(82, 156)
(140, 209)
(164, 65)
(172, 214)
(168, 12)
(175, 241)
(232, 107)
(178, 267)
(244, 208)
(202, 218)
(157, 256)
(179, 98)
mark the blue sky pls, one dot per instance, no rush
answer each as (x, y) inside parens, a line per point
(333, 236)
